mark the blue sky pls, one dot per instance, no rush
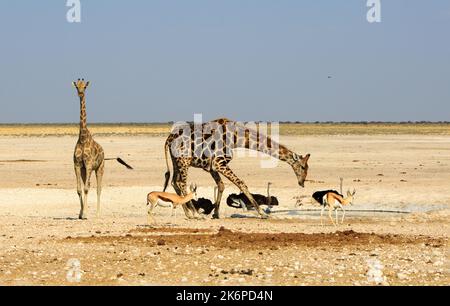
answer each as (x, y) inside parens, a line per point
(164, 60)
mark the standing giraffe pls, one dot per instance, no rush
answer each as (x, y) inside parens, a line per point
(88, 156)
(210, 148)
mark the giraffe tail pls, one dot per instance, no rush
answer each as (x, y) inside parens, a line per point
(121, 161)
(167, 175)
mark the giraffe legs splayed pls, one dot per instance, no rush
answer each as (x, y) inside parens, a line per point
(207, 150)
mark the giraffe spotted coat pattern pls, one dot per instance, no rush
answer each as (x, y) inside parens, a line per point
(210, 147)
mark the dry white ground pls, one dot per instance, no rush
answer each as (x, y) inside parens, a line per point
(39, 232)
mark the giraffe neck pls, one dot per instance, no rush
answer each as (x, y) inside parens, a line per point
(84, 132)
(266, 145)
(277, 151)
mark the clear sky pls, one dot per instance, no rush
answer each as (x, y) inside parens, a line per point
(164, 60)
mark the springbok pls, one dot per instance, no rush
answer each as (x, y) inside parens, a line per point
(334, 200)
(166, 199)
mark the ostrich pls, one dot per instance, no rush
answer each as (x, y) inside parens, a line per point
(241, 200)
(205, 206)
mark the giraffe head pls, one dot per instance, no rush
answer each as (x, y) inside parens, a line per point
(300, 166)
(81, 86)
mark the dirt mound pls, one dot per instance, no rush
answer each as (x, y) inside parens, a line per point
(145, 230)
(224, 231)
(232, 240)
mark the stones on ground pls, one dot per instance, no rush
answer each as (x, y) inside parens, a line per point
(402, 276)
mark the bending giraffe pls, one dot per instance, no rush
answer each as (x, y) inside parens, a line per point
(88, 156)
(210, 146)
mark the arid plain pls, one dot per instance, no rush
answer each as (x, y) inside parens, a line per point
(401, 173)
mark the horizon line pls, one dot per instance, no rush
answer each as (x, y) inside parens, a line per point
(256, 121)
